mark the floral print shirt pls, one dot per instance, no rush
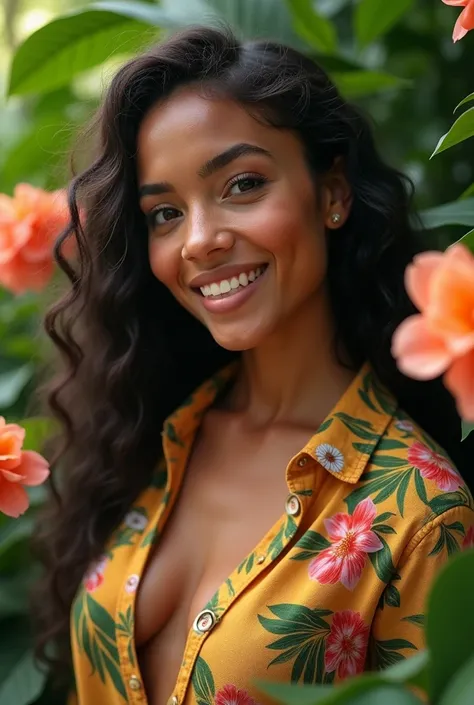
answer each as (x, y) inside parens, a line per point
(338, 585)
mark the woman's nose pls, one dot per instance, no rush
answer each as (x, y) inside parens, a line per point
(205, 239)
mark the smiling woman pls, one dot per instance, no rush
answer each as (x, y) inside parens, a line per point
(250, 489)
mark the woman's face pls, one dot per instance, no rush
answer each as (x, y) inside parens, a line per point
(236, 232)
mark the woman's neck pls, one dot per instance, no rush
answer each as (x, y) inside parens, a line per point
(294, 378)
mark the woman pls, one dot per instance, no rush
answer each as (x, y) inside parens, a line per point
(239, 236)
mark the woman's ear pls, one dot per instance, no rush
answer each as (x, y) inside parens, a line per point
(337, 196)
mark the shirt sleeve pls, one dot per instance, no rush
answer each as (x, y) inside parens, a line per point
(398, 627)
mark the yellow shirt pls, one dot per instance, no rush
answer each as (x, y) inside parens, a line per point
(337, 585)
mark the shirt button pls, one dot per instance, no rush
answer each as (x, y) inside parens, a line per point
(260, 560)
(173, 701)
(204, 621)
(134, 683)
(302, 462)
(293, 505)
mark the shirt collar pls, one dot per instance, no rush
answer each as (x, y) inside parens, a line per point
(343, 444)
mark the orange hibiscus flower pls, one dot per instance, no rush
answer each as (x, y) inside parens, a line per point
(465, 20)
(30, 222)
(440, 339)
(18, 468)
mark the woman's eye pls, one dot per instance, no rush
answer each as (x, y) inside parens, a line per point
(163, 215)
(245, 183)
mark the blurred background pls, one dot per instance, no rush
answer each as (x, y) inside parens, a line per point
(395, 58)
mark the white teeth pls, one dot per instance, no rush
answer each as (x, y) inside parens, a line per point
(230, 285)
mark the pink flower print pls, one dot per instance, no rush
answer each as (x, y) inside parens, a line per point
(230, 695)
(346, 645)
(468, 541)
(95, 574)
(352, 539)
(434, 466)
(132, 584)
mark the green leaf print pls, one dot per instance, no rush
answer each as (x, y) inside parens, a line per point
(382, 484)
(94, 630)
(382, 561)
(125, 626)
(325, 425)
(290, 527)
(171, 433)
(230, 587)
(359, 427)
(150, 538)
(448, 500)
(302, 633)
(391, 596)
(386, 653)
(390, 444)
(417, 619)
(447, 539)
(203, 683)
(312, 544)
(247, 563)
(276, 545)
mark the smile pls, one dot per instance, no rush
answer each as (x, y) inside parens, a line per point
(229, 287)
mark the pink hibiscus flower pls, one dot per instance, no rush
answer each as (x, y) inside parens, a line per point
(352, 539)
(434, 466)
(95, 574)
(468, 541)
(346, 645)
(230, 695)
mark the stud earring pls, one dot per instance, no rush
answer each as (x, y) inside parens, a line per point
(336, 218)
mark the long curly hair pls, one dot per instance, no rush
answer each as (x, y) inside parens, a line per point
(130, 354)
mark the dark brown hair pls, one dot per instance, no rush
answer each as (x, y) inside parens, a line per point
(131, 354)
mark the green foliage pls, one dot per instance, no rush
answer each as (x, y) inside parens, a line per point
(375, 17)
(462, 129)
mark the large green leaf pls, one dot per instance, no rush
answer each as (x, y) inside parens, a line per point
(24, 683)
(14, 530)
(460, 690)
(316, 29)
(375, 17)
(12, 383)
(455, 213)
(467, 428)
(462, 129)
(354, 84)
(68, 45)
(267, 19)
(465, 100)
(450, 621)
(366, 690)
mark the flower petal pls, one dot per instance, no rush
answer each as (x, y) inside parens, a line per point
(368, 542)
(12, 476)
(459, 379)
(34, 468)
(363, 515)
(13, 499)
(459, 30)
(418, 277)
(326, 567)
(352, 568)
(338, 525)
(460, 3)
(420, 353)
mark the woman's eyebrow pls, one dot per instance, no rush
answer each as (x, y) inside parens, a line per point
(210, 167)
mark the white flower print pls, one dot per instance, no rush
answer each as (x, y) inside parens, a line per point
(132, 583)
(330, 457)
(136, 520)
(405, 426)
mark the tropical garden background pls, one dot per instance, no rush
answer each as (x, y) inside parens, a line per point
(395, 58)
